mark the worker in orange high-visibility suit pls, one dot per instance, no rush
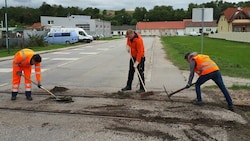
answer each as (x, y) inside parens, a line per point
(22, 62)
(206, 69)
(135, 47)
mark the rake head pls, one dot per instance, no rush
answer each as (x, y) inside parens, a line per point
(147, 94)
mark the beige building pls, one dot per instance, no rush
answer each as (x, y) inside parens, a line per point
(234, 20)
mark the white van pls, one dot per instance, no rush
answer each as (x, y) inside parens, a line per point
(81, 33)
(61, 38)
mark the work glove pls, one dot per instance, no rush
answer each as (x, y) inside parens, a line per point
(136, 64)
(39, 85)
(187, 86)
(19, 73)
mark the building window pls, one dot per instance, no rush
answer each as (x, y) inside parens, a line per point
(83, 26)
(208, 29)
(51, 22)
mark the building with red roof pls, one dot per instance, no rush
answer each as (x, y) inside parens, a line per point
(164, 28)
(174, 28)
(234, 20)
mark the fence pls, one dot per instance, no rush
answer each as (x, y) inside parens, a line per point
(21, 41)
(232, 36)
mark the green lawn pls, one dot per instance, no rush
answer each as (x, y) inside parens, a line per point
(231, 57)
(4, 52)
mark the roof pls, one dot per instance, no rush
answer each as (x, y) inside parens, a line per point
(35, 25)
(189, 23)
(161, 25)
(122, 27)
(231, 13)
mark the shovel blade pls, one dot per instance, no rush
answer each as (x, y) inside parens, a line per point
(167, 93)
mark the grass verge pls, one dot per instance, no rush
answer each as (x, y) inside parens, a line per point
(231, 57)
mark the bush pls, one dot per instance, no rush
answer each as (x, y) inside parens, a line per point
(36, 40)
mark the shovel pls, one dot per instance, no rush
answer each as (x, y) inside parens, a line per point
(146, 93)
(66, 99)
(169, 95)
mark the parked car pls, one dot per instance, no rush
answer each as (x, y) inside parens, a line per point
(193, 33)
(61, 38)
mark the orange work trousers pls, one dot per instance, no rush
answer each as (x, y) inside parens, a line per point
(26, 70)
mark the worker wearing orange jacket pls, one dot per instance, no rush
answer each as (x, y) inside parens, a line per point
(206, 69)
(22, 62)
(136, 49)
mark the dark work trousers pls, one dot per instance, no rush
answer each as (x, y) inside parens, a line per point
(131, 72)
(217, 78)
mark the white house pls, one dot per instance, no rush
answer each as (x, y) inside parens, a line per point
(208, 27)
(91, 26)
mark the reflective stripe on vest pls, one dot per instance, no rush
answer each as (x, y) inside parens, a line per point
(23, 56)
(204, 64)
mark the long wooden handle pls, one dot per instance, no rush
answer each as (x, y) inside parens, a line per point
(137, 71)
(48, 91)
(40, 87)
(179, 90)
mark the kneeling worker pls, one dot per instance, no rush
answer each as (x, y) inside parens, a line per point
(22, 62)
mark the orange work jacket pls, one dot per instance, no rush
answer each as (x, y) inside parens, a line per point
(136, 47)
(204, 65)
(22, 59)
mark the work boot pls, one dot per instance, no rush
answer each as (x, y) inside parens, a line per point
(140, 91)
(231, 108)
(198, 103)
(126, 88)
(28, 95)
(13, 96)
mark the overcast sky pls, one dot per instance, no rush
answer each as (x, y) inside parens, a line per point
(109, 4)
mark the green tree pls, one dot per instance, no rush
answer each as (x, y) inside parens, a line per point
(140, 13)
(161, 13)
(180, 14)
(93, 12)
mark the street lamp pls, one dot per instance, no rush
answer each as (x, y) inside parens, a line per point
(6, 25)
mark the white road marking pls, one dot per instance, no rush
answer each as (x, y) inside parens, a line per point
(78, 49)
(44, 58)
(4, 84)
(65, 59)
(5, 69)
(61, 52)
(10, 70)
(88, 46)
(64, 64)
(89, 53)
(104, 49)
(42, 70)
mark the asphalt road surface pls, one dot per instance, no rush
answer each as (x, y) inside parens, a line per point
(99, 65)
(93, 74)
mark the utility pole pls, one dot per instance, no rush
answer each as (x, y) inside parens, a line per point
(6, 25)
(202, 28)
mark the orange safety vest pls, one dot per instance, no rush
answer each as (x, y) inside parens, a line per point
(204, 65)
(136, 47)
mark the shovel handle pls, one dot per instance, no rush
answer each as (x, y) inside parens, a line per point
(40, 86)
(48, 91)
(169, 95)
(29, 79)
(137, 71)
